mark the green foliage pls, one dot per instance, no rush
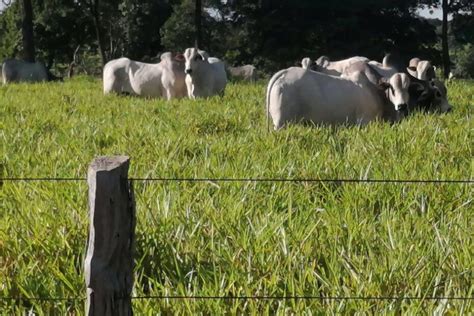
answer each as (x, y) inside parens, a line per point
(129, 27)
(268, 34)
(275, 34)
(140, 25)
(10, 31)
(178, 31)
(464, 65)
(215, 238)
(60, 26)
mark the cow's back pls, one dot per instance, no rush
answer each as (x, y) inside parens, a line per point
(302, 95)
(115, 76)
(246, 72)
(341, 65)
(146, 79)
(219, 76)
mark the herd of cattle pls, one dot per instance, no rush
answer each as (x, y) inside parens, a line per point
(351, 91)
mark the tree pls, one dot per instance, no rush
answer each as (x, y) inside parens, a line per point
(137, 35)
(465, 62)
(60, 27)
(27, 32)
(94, 6)
(197, 23)
(180, 32)
(10, 30)
(444, 38)
(279, 33)
(458, 9)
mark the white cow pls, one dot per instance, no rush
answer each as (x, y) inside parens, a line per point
(336, 68)
(421, 69)
(297, 95)
(164, 79)
(174, 78)
(14, 70)
(245, 72)
(205, 76)
(115, 76)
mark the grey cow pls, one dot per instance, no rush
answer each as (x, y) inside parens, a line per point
(14, 70)
(245, 72)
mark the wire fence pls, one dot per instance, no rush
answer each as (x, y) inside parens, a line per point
(257, 297)
(322, 180)
(255, 180)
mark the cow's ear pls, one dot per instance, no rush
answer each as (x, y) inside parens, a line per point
(204, 55)
(179, 57)
(383, 84)
(325, 63)
(412, 71)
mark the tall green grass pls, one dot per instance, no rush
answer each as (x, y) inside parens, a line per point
(239, 239)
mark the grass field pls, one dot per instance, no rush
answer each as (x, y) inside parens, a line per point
(239, 239)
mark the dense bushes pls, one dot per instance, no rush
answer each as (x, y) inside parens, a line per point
(464, 59)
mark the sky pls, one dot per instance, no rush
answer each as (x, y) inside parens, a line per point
(433, 14)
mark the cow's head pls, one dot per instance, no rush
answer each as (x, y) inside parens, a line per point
(323, 61)
(440, 96)
(421, 69)
(194, 58)
(397, 91)
(429, 95)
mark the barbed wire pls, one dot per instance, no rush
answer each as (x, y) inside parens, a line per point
(257, 297)
(309, 180)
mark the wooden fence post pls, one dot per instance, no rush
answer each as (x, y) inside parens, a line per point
(108, 264)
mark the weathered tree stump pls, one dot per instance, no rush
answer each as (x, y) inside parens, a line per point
(109, 259)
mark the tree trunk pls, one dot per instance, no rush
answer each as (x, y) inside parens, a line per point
(197, 23)
(27, 32)
(98, 33)
(444, 35)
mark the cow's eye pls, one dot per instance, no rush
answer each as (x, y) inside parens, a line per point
(438, 94)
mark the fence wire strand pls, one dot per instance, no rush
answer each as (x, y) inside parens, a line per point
(257, 297)
(309, 180)
(262, 297)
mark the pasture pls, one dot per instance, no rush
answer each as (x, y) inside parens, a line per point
(239, 239)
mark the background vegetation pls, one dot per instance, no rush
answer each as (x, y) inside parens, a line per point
(268, 33)
(238, 238)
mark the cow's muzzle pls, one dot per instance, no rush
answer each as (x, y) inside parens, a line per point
(403, 109)
(188, 71)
